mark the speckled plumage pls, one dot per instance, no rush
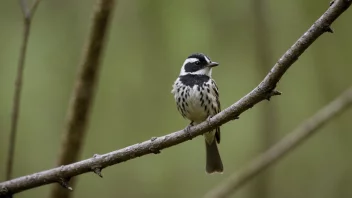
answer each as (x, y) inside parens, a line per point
(197, 98)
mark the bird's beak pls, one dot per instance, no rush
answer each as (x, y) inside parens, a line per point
(213, 64)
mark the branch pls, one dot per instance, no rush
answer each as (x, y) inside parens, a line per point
(279, 150)
(27, 17)
(262, 92)
(83, 94)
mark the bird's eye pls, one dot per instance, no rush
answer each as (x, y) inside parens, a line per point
(197, 63)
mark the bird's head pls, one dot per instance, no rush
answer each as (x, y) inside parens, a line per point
(198, 64)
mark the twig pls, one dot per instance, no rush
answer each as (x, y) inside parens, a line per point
(27, 17)
(279, 150)
(83, 94)
(262, 92)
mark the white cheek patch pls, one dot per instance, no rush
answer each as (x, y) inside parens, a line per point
(183, 71)
(204, 71)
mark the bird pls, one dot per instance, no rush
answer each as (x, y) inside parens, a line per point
(197, 99)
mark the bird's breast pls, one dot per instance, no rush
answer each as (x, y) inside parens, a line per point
(197, 107)
(195, 103)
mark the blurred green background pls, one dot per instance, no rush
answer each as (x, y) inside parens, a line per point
(147, 44)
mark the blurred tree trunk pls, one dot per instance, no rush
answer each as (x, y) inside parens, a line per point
(155, 54)
(264, 61)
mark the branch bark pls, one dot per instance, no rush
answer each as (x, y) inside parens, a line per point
(27, 18)
(279, 150)
(83, 94)
(262, 92)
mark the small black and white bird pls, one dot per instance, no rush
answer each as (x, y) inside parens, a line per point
(197, 99)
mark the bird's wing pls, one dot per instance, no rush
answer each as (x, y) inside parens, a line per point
(218, 109)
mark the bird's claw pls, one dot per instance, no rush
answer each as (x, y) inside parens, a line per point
(209, 119)
(187, 130)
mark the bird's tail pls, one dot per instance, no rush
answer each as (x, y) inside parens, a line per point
(213, 159)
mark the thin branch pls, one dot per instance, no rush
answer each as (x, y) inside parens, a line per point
(279, 150)
(18, 84)
(262, 92)
(34, 7)
(84, 91)
(25, 9)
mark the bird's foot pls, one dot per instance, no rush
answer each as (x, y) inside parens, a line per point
(187, 130)
(208, 119)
